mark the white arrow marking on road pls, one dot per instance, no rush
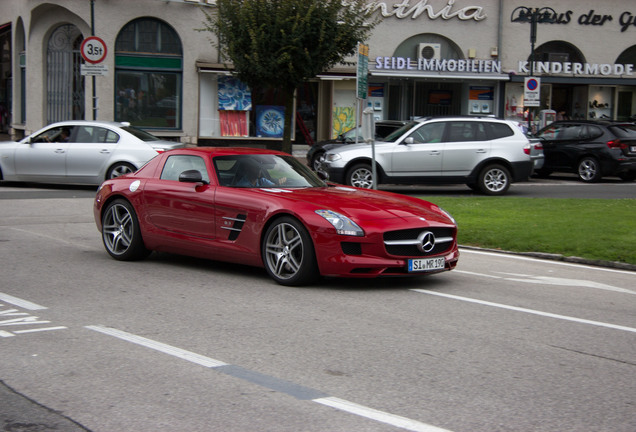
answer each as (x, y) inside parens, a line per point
(551, 281)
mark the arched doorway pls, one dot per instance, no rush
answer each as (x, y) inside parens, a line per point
(65, 83)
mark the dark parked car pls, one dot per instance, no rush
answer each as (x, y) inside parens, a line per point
(591, 149)
(382, 129)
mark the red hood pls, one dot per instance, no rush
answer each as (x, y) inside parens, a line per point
(363, 204)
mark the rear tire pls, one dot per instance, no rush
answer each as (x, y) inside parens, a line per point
(494, 180)
(120, 169)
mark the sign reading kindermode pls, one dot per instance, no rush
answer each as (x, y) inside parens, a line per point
(93, 50)
(532, 92)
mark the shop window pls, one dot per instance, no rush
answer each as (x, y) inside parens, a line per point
(148, 75)
(230, 109)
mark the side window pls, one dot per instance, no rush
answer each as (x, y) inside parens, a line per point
(592, 132)
(177, 164)
(102, 135)
(84, 134)
(429, 133)
(499, 130)
(467, 131)
(569, 132)
(58, 134)
(550, 133)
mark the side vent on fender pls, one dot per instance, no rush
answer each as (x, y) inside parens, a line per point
(234, 225)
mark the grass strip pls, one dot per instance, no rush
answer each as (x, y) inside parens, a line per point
(596, 229)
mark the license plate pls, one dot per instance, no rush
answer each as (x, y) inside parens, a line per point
(633, 149)
(424, 265)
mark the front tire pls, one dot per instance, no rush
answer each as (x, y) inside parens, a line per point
(494, 180)
(120, 232)
(288, 253)
(361, 176)
(315, 160)
(589, 170)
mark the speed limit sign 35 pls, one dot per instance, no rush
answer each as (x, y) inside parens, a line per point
(93, 50)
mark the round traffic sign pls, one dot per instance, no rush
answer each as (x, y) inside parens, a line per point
(532, 84)
(93, 50)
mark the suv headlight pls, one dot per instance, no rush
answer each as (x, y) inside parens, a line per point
(332, 157)
(342, 224)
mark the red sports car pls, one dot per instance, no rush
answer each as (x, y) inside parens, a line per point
(265, 208)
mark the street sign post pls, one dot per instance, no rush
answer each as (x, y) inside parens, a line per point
(532, 92)
(93, 51)
(363, 71)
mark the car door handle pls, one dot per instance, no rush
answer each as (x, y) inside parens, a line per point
(481, 151)
(434, 153)
(60, 150)
(104, 151)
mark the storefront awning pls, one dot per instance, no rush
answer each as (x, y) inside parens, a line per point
(579, 80)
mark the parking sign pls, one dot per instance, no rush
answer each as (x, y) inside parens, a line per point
(532, 92)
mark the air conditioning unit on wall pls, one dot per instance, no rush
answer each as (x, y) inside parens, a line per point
(429, 51)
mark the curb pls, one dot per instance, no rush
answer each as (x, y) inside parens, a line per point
(556, 257)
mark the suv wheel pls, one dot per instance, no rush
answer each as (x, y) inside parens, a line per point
(589, 170)
(361, 176)
(315, 160)
(494, 180)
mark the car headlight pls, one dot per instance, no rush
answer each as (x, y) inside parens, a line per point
(448, 215)
(331, 157)
(342, 224)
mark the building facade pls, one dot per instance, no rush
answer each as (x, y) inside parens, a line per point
(426, 57)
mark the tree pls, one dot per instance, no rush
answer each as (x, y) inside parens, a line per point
(282, 43)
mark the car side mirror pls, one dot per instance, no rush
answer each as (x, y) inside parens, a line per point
(192, 176)
(409, 140)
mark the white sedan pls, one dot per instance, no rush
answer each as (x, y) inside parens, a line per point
(79, 152)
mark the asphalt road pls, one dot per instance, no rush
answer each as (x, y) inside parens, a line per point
(502, 343)
(555, 186)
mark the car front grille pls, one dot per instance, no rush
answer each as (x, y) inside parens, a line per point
(410, 242)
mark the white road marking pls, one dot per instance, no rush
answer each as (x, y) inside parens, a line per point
(549, 280)
(560, 263)
(71, 243)
(158, 346)
(529, 311)
(340, 404)
(380, 416)
(40, 329)
(20, 303)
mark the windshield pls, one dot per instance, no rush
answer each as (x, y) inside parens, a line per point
(350, 135)
(395, 135)
(264, 171)
(141, 134)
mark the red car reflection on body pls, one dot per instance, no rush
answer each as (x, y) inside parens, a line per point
(265, 208)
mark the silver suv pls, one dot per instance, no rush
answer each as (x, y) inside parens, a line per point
(485, 153)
